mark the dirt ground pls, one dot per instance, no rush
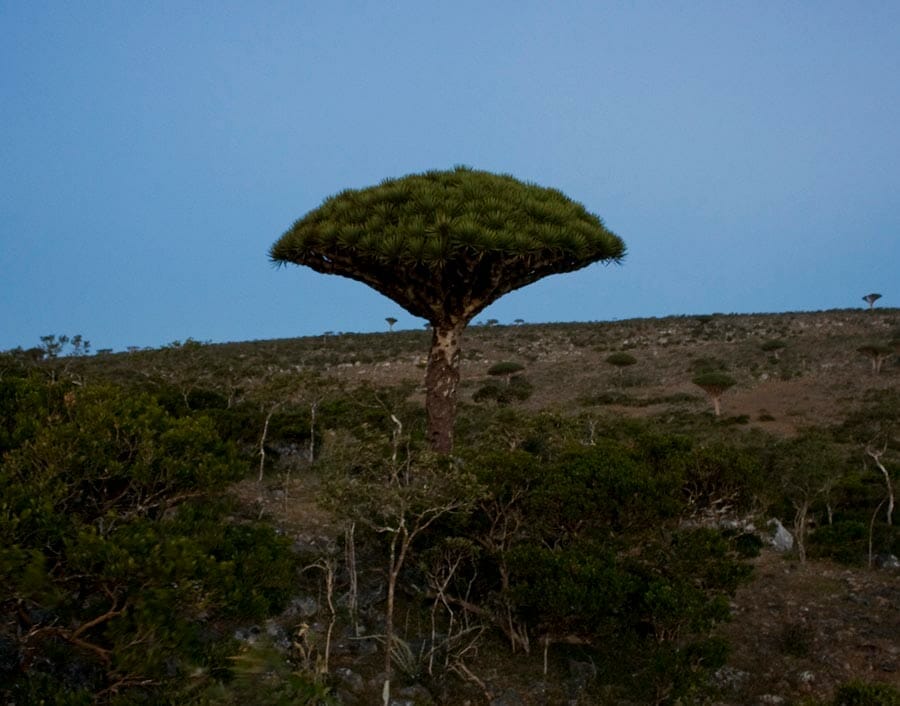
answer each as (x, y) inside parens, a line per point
(800, 630)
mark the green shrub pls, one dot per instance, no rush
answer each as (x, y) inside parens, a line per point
(702, 365)
(858, 693)
(608, 398)
(598, 551)
(714, 380)
(118, 556)
(844, 541)
(737, 419)
(748, 545)
(621, 360)
(795, 639)
(772, 345)
(518, 389)
(505, 369)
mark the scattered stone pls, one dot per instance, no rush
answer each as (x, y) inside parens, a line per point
(782, 540)
(887, 561)
(581, 674)
(250, 635)
(417, 693)
(771, 699)
(730, 679)
(278, 636)
(350, 680)
(303, 606)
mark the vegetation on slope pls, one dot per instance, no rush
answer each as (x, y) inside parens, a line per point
(593, 532)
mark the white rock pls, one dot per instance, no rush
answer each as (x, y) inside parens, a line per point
(782, 540)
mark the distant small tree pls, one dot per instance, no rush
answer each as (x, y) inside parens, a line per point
(877, 353)
(773, 346)
(714, 384)
(621, 361)
(390, 322)
(53, 345)
(871, 299)
(505, 369)
(80, 346)
(518, 389)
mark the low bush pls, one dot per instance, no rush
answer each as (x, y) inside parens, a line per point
(859, 693)
(845, 542)
(589, 545)
(121, 567)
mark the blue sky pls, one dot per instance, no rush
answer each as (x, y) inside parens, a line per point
(151, 152)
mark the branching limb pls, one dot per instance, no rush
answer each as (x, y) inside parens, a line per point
(876, 454)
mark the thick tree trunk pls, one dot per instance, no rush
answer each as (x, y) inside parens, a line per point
(441, 380)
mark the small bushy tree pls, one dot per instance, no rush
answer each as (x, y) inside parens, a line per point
(773, 346)
(714, 384)
(877, 353)
(809, 467)
(505, 369)
(621, 361)
(397, 492)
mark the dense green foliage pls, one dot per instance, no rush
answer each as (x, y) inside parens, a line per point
(515, 389)
(714, 382)
(596, 539)
(120, 567)
(505, 368)
(445, 244)
(621, 360)
(859, 693)
(591, 549)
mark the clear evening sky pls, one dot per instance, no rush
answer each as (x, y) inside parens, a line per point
(151, 152)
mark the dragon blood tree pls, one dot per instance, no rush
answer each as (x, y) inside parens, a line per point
(444, 245)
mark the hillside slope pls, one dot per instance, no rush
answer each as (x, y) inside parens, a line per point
(798, 630)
